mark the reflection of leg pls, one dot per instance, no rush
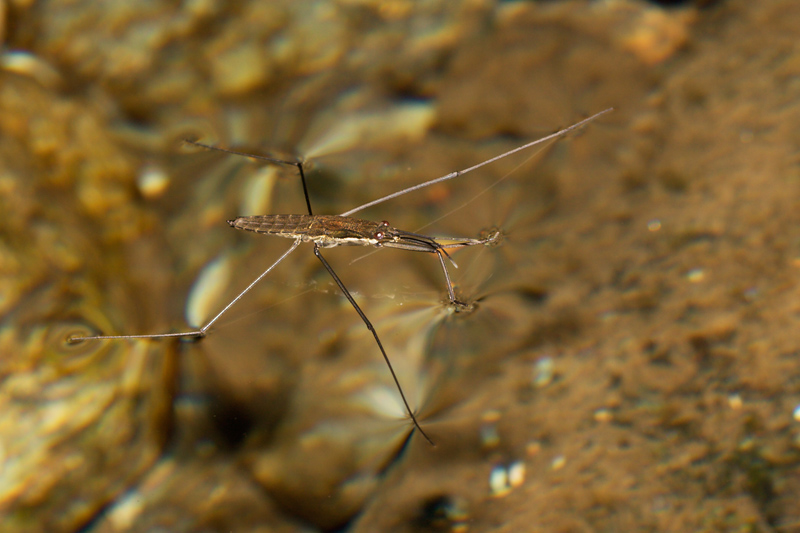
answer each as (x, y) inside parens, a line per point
(374, 334)
(197, 334)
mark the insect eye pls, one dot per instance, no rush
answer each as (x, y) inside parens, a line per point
(379, 235)
(385, 224)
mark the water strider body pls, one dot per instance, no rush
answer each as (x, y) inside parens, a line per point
(328, 231)
(333, 230)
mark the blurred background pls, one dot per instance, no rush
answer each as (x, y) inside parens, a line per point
(629, 361)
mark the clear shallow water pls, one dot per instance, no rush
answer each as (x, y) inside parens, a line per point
(647, 257)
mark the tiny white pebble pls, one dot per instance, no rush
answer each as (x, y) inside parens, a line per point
(735, 401)
(498, 482)
(152, 181)
(543, 371)
(516, 474)
(695, 275)
(603, 415)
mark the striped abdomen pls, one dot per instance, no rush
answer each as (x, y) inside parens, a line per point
(326, 230)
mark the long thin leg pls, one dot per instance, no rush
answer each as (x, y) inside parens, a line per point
(441, 251)
(202, 331)
(298, 164)
(374, 334)
(458, 173)
(450, 292)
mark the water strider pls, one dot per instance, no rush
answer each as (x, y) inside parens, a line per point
(328, 231)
